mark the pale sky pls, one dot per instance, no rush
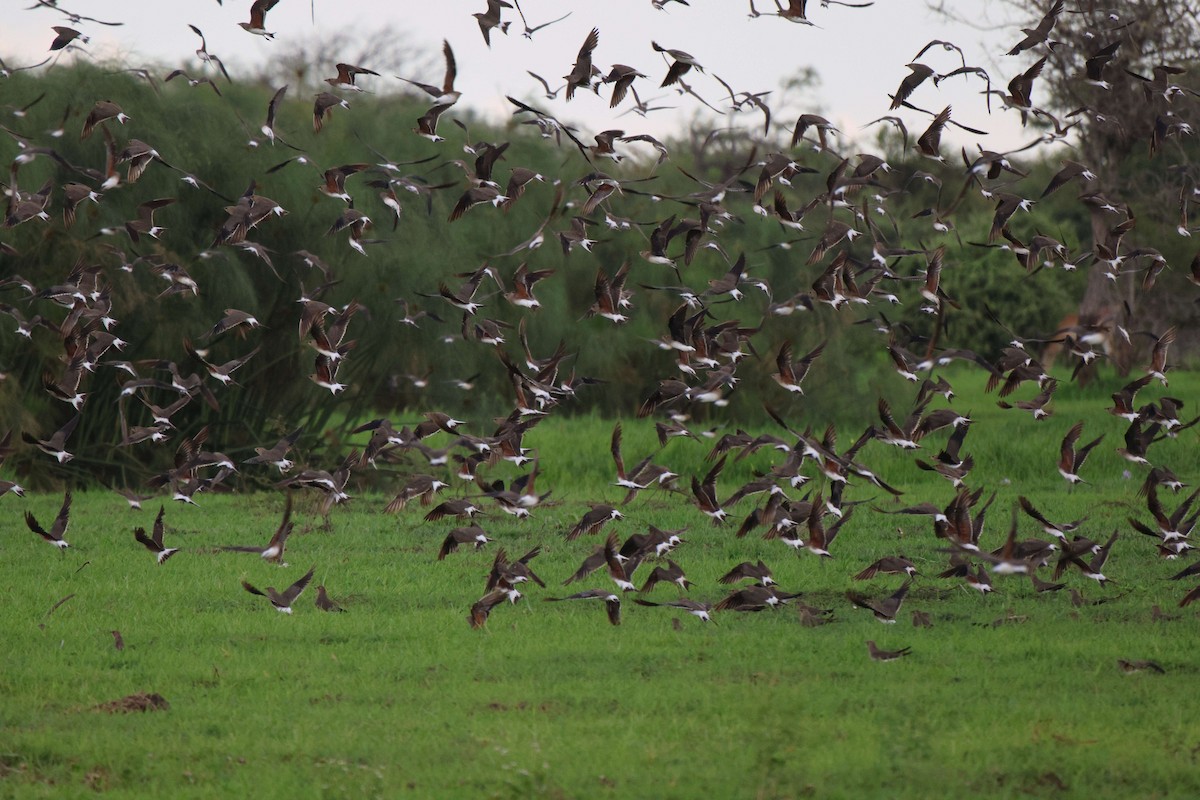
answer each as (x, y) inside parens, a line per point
(858, 53)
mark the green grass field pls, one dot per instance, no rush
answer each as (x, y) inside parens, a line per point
(1011, 694)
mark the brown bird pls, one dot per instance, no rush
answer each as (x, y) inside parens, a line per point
(886, 655)
(593, 521)
(346, 75)
(1071, 460)
(192, 82)
(144, 224)
(73, 195)
(1020, 89)
(694, 607)
(705, 494)
(118, 641)
(324, 602)
(506, 574)
(460, 508)
(428, 122)
(754, 598)
(1190, 597)
(154, 542)
(1158, 357)
(258, 13)
(103, 111)
(884, 610)
(64, 36)
(470, 535)
(888, 565)
(444, 94)
(491, 19)
(672, 573)
(268, 127)
(283, 600)
(482, 608)
(273, 552)
(581, 73)
(1041, 33)
(621, 77)
(929, 143)
(598, 558)
(681, 64)
(759, 573)
(276, 456)
(323, 109)
(917, 75)
(58, 528)
(612, 602)
(792, 373)
(57, 443)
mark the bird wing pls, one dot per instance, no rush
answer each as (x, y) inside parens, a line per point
(293, 591)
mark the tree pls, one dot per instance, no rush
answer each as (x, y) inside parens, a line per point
(1109, 84)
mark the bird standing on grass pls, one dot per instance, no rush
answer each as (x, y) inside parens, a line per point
(886, 655)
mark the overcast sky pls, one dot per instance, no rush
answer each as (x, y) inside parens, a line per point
(858, 53)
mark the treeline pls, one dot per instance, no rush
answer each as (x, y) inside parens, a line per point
(198, 133)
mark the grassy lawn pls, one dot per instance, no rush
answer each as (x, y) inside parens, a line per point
(1009, 694)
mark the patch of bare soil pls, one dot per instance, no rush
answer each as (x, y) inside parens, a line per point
(135, 702)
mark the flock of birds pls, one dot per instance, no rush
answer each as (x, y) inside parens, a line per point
(803, 498)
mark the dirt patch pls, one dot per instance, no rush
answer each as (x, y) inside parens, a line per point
(135, 702)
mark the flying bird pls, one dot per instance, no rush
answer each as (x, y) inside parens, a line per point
(58, 528)
(581, 73)
(283, 600)
(1071, 459)
(491, 19)
(154, 542)
(258, 15)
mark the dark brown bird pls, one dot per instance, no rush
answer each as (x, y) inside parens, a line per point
(929, 143)
(444, 95)
(884, 610)
(759, 572)
(459, 536)
(346, 75)
(612, 602)
(273, 552)
(324, 602)
(64, 36)
(886, 655)
(1041, 33)
(593, 521)
(917, 75)
(491, 19)
(323, 109)
(682, 63)
(888, 565)
(482, 608)
(1071, 459)
(283, 600)
(581, 73)
(154, 542)
(58, 528)
(693, 607)
(672, 573)
(103, 111)
(258, 14)
(621, 77)
(790, 373)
